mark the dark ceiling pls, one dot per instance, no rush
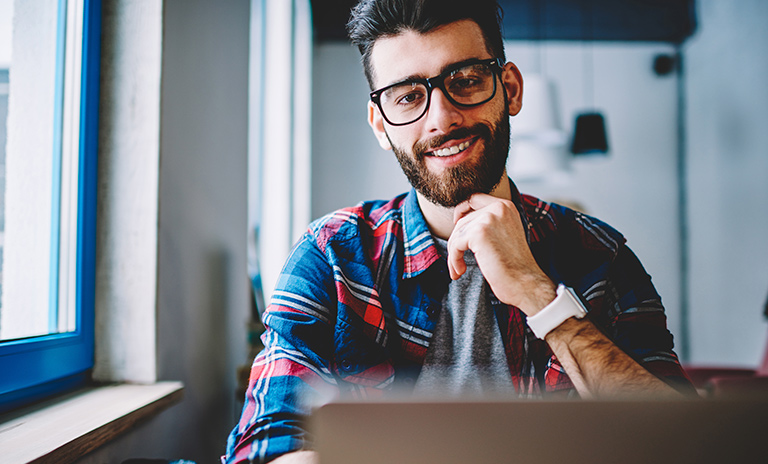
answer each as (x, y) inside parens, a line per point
(669, 21)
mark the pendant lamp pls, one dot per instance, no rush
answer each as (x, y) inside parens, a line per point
(538, 150)
(589, 134)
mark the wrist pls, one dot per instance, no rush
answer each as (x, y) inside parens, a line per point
(565, 306)
(542, 291)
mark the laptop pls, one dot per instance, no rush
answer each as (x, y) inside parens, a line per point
(532, 432)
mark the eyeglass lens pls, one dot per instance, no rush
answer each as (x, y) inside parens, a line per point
(471, 85)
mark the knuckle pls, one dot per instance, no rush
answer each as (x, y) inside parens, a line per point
(507, 207)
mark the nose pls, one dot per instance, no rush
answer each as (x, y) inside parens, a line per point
(442, 115)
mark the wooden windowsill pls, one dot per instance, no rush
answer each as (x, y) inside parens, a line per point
(67, 428)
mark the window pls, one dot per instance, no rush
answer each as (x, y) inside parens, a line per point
(49, 79)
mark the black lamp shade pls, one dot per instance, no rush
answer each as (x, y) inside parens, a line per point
(589, 135)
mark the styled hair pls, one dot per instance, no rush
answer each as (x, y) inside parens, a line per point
(371, 20)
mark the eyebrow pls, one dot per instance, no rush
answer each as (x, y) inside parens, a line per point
(419, 77)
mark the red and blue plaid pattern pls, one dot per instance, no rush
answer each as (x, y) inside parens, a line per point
(357, 302)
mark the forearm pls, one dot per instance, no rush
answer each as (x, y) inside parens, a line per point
(597, 367)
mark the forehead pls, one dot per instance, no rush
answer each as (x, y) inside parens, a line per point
(411, 54)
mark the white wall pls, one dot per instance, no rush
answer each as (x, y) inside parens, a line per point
(127, 206)
(726, 68)
(203, 293)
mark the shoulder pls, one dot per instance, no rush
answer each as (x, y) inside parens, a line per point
(573, 246)
(354, 223)
(554, 222)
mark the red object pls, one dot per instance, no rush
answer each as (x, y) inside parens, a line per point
(714, 381)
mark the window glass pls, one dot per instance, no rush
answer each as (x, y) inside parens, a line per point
(6, 13)
(49, 88)
(40, 116)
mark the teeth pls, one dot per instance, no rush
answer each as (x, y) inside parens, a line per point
(452, 150)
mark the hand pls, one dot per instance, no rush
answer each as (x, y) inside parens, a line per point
(491, 227)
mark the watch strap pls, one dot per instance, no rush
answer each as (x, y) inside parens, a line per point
(565, 305)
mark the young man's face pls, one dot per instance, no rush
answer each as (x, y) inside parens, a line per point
(480, 133)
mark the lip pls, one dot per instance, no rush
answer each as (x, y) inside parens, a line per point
(454, 159)
(452, 143)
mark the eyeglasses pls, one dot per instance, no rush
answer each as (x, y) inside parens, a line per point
(467, 84)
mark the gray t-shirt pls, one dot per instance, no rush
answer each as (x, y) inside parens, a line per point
(466, 355)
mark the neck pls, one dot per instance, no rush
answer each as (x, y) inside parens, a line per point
(440, 218)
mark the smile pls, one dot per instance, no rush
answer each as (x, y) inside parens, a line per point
(450, 151)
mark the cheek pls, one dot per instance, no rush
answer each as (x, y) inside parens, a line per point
(495, 110)
(403, 137)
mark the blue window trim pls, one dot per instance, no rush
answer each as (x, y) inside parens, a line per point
(37, 367)
(58, 129)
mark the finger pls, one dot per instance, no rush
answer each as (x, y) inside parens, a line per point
(457, 245)
(481, 200)
(456, 265)
(501, 209)
(476, 202)
(461, 210)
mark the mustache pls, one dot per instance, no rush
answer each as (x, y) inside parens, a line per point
(421, 147)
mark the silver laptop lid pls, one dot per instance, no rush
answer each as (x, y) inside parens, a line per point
(626, 432)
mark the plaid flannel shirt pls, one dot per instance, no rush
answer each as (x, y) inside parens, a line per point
(357, 302)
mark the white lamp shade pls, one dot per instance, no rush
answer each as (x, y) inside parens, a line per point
(540, 112)
(538, 150)
(531, 161)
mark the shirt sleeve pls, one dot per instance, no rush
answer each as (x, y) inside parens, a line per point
(291, 375)
(636, 320)
(624, 304)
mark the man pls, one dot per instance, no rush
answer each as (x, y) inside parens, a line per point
(462, 286)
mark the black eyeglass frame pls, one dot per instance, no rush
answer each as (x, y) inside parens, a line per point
(439, 82)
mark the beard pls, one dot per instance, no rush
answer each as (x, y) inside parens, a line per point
(456, 184)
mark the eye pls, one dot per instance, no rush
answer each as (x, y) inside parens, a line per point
(465, 85)
(405, 95)
(410, 98)
(469, 80)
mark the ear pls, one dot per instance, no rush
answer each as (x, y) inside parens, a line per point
(512, 81)
(376, 121)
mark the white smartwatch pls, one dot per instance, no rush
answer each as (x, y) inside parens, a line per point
(566, 304)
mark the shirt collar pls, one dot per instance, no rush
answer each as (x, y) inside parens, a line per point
(420, 250)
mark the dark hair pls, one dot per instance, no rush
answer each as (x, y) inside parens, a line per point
(371, 20)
